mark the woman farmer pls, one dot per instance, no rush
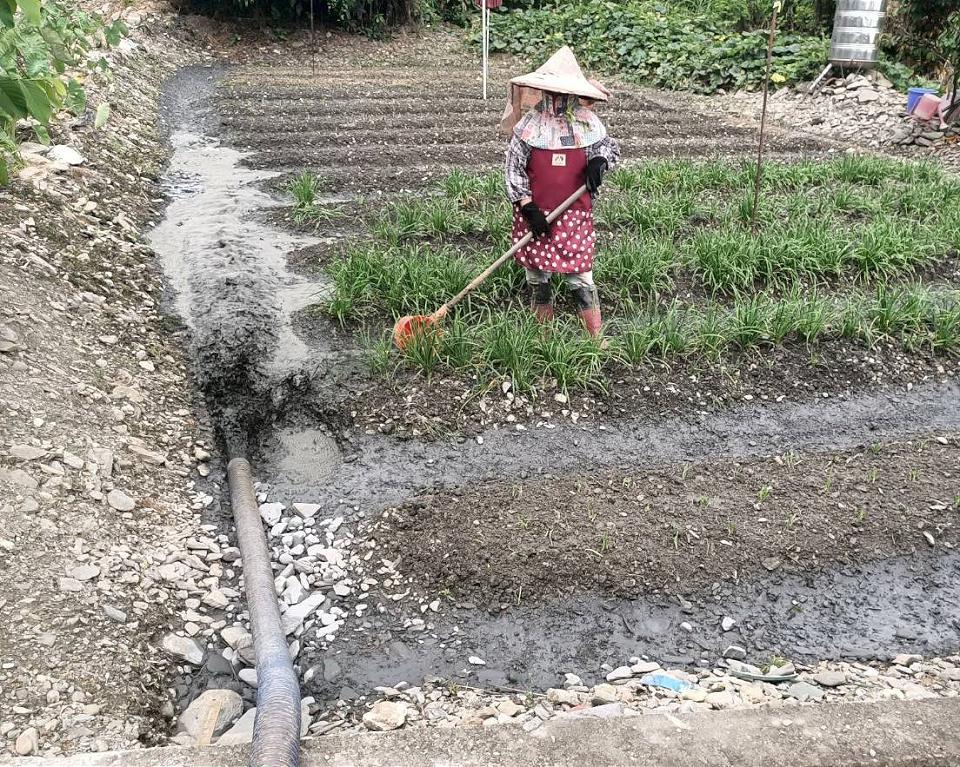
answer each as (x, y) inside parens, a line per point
(555, 148)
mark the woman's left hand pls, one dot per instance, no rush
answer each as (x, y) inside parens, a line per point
(595, 170)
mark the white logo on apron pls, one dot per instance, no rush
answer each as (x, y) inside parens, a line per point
(559, 161)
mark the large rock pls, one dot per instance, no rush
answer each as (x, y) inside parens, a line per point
(830, 678)
(225, 705)
(28, 742)
(120, 501)
(241, 732)
(386, 715)
(804, 691)
(18, 477)
(27, 452)
(184, 648)
(65, 154)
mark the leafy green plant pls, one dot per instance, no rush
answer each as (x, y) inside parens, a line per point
(43, 57)
(681, 48)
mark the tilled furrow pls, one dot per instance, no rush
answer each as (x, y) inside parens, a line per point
(376, 183)
(344, 168)
(370, 88)
(367, 126)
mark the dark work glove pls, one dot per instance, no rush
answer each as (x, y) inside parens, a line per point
(535, 219)
(595, 170)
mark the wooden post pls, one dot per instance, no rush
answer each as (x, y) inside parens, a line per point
(313, 41)
(763, 115)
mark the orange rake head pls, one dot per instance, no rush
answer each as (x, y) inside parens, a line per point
(409, 327)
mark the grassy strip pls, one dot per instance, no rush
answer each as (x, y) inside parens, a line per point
(837, 255)
(510, 344)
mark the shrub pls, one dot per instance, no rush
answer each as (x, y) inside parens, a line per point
(370, 16)
(670, 48)
(39, 43)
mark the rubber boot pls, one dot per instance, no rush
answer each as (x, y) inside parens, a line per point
(543, 312)
(588, 306)
(592, 320)
(542, 302)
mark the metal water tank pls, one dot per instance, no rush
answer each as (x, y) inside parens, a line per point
(856, 32)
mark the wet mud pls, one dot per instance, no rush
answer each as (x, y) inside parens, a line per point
(282, 391)
(908, 604)
(226, 267)
(383, 471)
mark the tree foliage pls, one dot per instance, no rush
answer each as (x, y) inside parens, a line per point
(371, 16)
(44, 46)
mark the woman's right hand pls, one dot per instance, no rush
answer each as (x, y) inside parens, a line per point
(535, 218)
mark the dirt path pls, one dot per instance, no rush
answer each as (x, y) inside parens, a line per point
(99, 439)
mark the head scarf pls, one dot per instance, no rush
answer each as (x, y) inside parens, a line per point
(542, 93)
(560, 121)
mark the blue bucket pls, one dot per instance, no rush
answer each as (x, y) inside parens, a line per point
(914, 95)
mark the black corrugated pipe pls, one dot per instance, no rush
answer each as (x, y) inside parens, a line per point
(276, 729)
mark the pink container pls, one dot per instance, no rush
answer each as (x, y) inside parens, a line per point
(927, 107)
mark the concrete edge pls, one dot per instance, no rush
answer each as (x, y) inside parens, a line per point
(889, 734)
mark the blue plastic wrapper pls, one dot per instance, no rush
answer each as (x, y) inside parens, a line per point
(666, 681)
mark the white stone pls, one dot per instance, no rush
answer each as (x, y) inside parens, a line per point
(216, 599)
(120, 501)
(298, 613)
(271, 512)
(242, 730)
(84, 572)
(27, 452)
(70, 584)
(306, 510)
(473, 660)
(563, 697)
(28, 742)
(386, 715)
(65, 154)
(148, 456)
(619, 674)
(18, 477)
(183, 648)
(236, 636)
(226, 705)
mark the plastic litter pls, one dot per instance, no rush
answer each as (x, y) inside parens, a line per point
(667, 682)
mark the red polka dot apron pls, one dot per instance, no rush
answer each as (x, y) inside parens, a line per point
(555, 174)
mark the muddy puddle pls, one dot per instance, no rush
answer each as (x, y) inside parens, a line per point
(384, 471)
(858, 614)
(227, 269)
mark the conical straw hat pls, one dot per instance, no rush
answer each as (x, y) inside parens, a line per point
(562, 74)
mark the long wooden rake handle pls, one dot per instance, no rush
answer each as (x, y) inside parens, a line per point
(524, 241)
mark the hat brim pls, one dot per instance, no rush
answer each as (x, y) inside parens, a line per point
(553, 83)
